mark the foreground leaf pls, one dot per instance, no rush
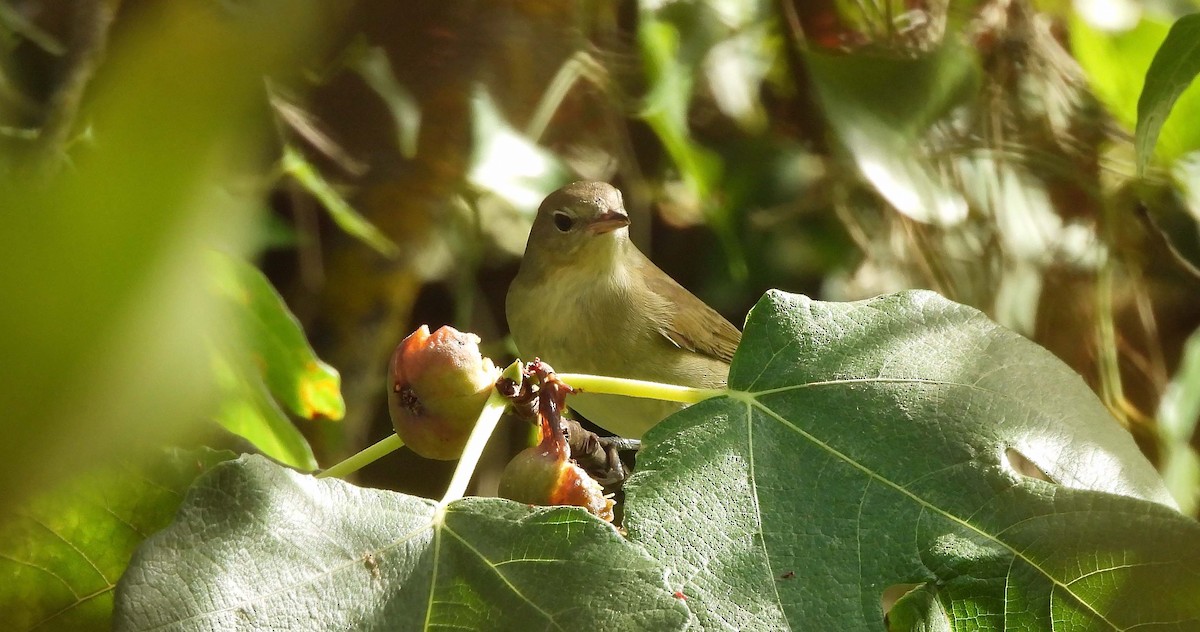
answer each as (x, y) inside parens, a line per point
(106, 320)
(896, 443)
(61, 555)
(248, 410)
(258, 546)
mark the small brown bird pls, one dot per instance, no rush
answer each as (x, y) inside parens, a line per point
(586, 300)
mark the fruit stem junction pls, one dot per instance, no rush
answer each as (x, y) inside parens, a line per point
(488, 418)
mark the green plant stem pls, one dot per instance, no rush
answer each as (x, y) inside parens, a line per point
(1109, 362)
(369, 455)
(484, 426)
(340, 211)
(638, 388)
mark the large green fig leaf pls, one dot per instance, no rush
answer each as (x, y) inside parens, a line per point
(256, 546)
(906, 450)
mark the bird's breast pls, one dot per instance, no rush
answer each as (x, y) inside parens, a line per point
(566, 320)
(604, 325)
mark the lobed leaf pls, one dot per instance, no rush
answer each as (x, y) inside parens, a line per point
(908, 442)
(258, 546)
(902, 457)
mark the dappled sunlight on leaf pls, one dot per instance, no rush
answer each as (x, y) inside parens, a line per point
(275, 342)
(271, 362)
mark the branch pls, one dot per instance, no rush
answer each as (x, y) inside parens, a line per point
(89, 41)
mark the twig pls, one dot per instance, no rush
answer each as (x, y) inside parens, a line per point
(1163, 239)
(92, 22)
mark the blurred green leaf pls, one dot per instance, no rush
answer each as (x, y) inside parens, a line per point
(343, 214)
(881, 121)
(62, 554)
(730, 45)
(1172, 70)
(665, 108)
(273, 361)
(674, 39)
(1117, 66)
(371, 63)
(248, 410)
(276, 341)
(744, 50)
(106, 317)
(275, 549)
(1116, 63)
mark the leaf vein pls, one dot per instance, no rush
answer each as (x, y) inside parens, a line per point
(924, 503)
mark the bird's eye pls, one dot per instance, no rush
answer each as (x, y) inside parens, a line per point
(562, 221)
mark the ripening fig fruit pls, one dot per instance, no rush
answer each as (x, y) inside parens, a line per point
(545, 474)
(437, 386)
(537, 476)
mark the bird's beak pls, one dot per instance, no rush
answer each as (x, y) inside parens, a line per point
(608, 222)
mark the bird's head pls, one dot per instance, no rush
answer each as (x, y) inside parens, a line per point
(583, 223)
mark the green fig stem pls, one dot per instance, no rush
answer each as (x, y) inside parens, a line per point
(367, 456)
(484, 426)
(638, 388)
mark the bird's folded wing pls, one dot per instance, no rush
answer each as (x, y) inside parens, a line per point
(690, 323)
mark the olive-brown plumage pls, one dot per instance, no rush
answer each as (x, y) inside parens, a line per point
(586, 300)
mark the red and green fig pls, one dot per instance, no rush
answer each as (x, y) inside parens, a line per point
(437, 386)
(545, 474)
(538, 477)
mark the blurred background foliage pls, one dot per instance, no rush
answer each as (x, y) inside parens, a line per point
(380, 163)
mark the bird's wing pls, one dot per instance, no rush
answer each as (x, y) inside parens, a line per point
(690, 323)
